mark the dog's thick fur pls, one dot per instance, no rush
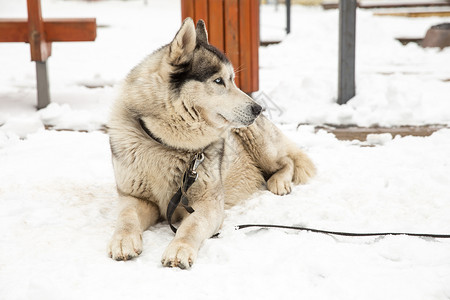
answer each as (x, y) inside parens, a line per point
(180, 100)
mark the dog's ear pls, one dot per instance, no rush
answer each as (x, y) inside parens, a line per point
(202, 34)
(182, 47)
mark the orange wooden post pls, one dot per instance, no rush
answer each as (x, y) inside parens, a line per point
(201, 9)
(187, 9)
(232, 48)
(254, 35)
(40, 49)
(233, 27)
(216, 27)
(40, 34)
(245, 43)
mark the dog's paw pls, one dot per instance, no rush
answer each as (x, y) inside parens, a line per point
(279, 186)
(179, 254)
(125, 245)
(304, 168)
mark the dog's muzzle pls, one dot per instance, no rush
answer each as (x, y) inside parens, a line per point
(251, 113)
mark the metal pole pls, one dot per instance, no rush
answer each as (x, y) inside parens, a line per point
(288, 16)
(346, 64)
(42, 84)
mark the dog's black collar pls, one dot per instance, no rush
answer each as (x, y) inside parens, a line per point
(150, 134)
(159, 141)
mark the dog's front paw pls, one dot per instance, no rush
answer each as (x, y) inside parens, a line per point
(125, 245)
(179, 254)
(279, 186)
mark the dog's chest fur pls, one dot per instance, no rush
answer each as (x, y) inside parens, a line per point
(149, 172)
(152, 172)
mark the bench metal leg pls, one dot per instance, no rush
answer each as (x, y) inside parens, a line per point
(346, 65)
(43, 93)
(288, 16)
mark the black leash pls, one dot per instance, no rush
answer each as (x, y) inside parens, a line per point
(439, 236)
(189, 177)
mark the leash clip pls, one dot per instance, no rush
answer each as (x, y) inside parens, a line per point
(196, 161)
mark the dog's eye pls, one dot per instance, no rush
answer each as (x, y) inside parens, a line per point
(219, 81)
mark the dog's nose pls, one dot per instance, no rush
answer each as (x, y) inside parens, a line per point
(256, 109)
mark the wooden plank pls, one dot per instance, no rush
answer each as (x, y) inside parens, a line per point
(406, 40)
(245, 45)
(268, 43)
(415, 14)
(396, 4)
(390, 4)
(215, 27)
(70, 30)
(254, 8)
(360, 133)
(187, 9)
(231, 10)
(330, 5)
(13, 30)
(346, 63)
(40, 49)
(56, 30)
(201, 11)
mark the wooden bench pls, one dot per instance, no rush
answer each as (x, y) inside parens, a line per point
(233, 28)
(40, 34)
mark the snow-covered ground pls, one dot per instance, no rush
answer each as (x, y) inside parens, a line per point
(57, 192)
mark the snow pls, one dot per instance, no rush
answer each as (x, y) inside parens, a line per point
(57, 192)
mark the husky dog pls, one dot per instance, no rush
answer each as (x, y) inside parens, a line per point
(178, 102)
